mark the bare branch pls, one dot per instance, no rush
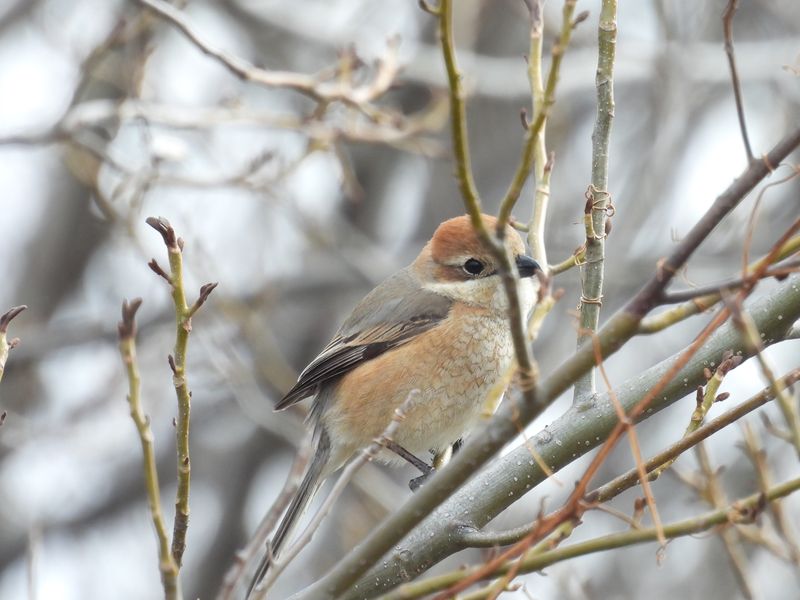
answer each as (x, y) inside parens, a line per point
(727, 28)
(127, 346)
(598, 199)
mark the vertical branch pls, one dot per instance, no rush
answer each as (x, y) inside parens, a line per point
(525, 363)
(727, 28)
(458, 118)
(177, 362)
(5, 343)
(541, 113)
(597, 196)
(540, 173)
(127, 348)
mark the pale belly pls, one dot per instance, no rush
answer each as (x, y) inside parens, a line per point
(450, 377)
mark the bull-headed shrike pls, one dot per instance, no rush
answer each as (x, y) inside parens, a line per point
(438, 330)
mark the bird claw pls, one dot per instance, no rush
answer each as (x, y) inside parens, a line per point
(417, 482)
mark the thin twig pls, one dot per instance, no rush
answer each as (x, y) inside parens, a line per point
(727, 28)
(458, 117)
(758, 456)
(323, 91)
(636, 449)
(541, 166)
(542, 111)
(471, 199)
(744, 323)
(711, 490)
(729, 286)
(177, 363)
(168, 566)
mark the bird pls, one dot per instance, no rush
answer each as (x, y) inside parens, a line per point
(437, 329)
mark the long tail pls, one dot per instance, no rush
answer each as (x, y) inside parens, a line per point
(297, 507)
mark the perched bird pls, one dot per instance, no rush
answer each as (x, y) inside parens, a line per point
(437, 329)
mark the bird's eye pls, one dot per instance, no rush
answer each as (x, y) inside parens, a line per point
(473, 266)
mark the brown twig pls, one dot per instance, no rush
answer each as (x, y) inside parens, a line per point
(636, 449)
(726, 287)
(750, 336)
(727, 28)
(309, 85)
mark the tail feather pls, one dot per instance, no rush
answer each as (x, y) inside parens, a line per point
(297, 507)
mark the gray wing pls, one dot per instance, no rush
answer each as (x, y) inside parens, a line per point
(404, 311)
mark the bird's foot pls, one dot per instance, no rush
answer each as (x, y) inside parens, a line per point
(417, 482)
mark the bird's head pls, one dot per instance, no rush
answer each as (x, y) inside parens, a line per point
(457, 264)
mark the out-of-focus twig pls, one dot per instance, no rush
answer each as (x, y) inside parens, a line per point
(323, 91)
(177, 363)
(127, 346)
(727, 28)
(710, 489)
(758, 456)
(542, 110)
(751, 337)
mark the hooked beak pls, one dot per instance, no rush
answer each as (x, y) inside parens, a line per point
(526, 266)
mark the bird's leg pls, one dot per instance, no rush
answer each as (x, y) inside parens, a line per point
(457, 445)
(411, 458)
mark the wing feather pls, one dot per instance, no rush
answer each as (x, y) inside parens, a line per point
(392, 314)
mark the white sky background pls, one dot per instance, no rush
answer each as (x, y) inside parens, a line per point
(58, 472)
